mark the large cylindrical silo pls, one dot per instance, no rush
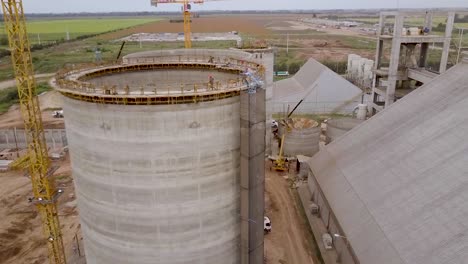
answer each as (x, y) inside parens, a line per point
(156, 171)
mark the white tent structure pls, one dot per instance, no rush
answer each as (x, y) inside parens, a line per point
(323, 91)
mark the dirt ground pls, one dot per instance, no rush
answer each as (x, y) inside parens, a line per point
(21, 237)
(201, 25)
(288, 242)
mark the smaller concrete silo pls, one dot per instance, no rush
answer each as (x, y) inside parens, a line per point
(302, 138)
(338, 127)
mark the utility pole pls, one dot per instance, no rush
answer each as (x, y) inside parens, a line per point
(68, 35)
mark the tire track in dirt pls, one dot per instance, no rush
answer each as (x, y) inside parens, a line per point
(287, 241)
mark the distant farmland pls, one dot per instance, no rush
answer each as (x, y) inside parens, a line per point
(50, 30)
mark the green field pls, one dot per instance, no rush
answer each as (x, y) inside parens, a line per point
(49, 30)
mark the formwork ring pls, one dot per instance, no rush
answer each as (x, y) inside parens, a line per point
(74, 85)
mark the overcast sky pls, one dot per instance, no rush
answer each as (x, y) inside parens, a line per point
(60, 6)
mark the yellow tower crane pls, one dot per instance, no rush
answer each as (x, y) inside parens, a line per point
(45, 193)
(187, 6)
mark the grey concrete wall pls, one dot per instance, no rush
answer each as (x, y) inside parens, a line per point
(252, 176)
(157, 184)
(329, 220)
(338, 127)
(187, 55)
(55, 138)
(302, 142)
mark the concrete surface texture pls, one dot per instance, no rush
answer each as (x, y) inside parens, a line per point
(157, 184)
(323, 91)
(398, 183)
(303, 138)
(338, 127)
(252, 183)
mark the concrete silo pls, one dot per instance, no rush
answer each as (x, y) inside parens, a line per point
(156, 157)
(302, 138)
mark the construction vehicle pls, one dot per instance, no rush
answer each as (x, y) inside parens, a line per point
(57, 114)
(186, 8)
(266, 225)
(45, 193)
(280, 164)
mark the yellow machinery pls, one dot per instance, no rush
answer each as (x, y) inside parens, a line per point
(187, 16)
(280, 163)
(20, 163)
(45, 194)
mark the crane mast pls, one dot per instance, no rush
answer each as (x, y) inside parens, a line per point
(45, 193)
(187, 25)
(187, 16)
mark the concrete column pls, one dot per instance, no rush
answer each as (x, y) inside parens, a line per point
(252, 180)
(448, 39)
(394, 60)
(423, 55)
(425, 46)
(428, 20)
(379, 51)
(381, 24)
(268, 61)
(379, 55)
(378, 59)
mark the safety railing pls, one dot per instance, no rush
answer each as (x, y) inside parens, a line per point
(74, 84)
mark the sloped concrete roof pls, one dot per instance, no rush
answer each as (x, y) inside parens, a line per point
(323, 89)
(398, 183)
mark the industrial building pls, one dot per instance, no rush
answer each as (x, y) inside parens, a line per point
(394, 189)
(167, 153)
(395, 73)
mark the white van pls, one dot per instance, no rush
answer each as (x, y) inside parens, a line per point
(266, 224)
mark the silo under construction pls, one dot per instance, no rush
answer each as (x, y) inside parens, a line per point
(157, 151)
(302, 137)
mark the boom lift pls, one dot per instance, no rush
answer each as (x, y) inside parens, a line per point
(45, 193)
(280, 163)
